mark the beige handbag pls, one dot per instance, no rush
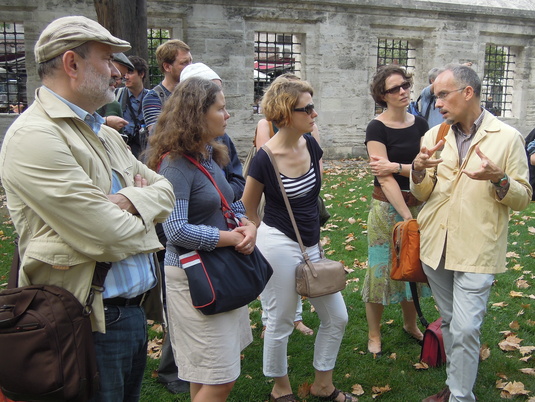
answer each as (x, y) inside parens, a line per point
(312, 279)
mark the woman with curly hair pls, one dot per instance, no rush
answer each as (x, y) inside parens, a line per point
(392, 140)
(206, 347)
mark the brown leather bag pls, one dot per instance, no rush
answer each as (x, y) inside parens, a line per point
(406, 264)
(312, 279)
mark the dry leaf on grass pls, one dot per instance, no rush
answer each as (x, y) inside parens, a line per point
(512, 342)
(378, 391)
(303, 390)
(357, 390)
(421, 366)
(500, 304)
(530, 371)
(512, 293)
(522, 284)
(484, 352)
(526, 350)
(393, 356)
(514, 325)
(513, 388)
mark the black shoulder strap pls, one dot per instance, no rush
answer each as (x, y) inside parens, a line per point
(416, 301)
(161, 93)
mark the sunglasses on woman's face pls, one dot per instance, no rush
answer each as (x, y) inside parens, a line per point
(394, 90)
(308, 109)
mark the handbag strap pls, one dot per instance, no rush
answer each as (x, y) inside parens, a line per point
(416, 301)
(224, 202)
(289, 207)
(232, 221)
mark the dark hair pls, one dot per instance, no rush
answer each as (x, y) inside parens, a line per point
(181, 127)
(377, 87)
(140, 65)
(50, 66)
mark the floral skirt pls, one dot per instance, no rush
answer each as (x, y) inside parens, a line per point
(378, 287)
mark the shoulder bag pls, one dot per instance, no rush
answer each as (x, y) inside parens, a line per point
(405, 258)
(46, 342)
(433, 352)
(223, 279)
(312, 279)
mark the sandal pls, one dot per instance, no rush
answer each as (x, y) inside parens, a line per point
(301, 327)
(347, 396)
(284, 398)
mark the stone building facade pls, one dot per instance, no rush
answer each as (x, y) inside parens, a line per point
(338, 50)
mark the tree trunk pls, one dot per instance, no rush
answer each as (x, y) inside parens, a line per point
(126, 19)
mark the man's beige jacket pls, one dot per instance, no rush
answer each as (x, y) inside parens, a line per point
(462, 217)
(56, 174)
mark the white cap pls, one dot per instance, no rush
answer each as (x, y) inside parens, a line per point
(199, 70)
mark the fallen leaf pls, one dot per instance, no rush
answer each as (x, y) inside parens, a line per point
(484, 353)
(352, 220)
(357, 390)
(530, 371)
(512, 293)
(378, 391)
(515, 388)
(526, 350)
(514, 325)
(393, 356)
(421, 366)
(522, 284)
(303, 390)
(500, 304)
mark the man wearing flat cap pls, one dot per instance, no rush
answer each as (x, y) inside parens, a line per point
(78, 197)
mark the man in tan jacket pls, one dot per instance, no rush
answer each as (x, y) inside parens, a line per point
(469, 188)
(77, 196)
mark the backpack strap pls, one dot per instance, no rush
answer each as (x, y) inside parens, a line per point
(442, 132)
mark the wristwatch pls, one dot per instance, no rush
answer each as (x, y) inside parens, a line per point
(400, 169)
(502, 182)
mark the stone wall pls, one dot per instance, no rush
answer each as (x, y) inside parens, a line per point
(339, 39)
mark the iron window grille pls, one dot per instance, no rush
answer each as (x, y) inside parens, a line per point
(498, 80)
(155, 37)
(13, 97)
(395, 51)
(275, 54)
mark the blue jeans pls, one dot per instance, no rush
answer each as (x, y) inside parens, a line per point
(121, 354)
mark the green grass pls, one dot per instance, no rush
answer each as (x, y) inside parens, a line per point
(347, 189)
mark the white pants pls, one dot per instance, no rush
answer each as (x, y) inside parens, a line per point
(279, 301)
(461, 299)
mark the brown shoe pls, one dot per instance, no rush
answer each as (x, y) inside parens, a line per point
(442, 396)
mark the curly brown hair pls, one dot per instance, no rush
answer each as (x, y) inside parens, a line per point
(377, 87)
(182, 129)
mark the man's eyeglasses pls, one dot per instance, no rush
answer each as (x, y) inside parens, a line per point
(442, 95)
(308, 109)
(394, 90)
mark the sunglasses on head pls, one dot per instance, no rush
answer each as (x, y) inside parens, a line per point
(308, 109)
(394, 90)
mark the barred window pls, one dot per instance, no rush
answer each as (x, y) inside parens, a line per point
(155, 37)
(13, 98)
(395, 51)
(498, 79)
(275, 54)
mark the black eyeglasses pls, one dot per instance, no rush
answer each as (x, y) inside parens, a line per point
(406, 85)
(308, 109)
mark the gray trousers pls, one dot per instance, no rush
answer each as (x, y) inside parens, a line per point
(461, 299)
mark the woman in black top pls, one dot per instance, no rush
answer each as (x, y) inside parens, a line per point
(392, 140)
(289, 105)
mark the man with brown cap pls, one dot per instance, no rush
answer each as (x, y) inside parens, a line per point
(77, 196)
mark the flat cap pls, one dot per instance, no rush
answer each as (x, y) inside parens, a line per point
(122, 59)
(199, 70)
(66, 33)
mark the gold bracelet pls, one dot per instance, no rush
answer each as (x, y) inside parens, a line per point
(253, 222)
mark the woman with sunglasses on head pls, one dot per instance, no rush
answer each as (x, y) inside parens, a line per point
(392, 141)
(289, 105)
